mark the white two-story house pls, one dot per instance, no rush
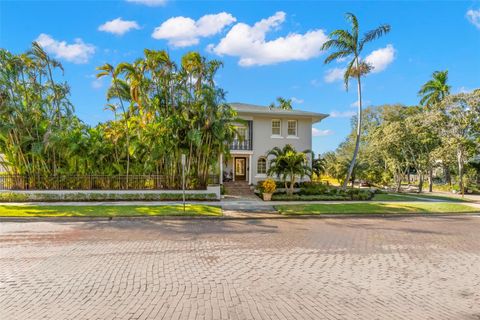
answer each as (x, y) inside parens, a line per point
(265, 129)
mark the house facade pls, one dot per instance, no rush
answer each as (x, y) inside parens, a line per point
(261, 130)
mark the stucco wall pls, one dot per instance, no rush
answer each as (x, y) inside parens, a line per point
(263, 140)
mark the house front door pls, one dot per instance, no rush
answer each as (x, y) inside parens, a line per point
(240, 169)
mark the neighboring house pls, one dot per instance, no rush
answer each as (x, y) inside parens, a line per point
(265, 129)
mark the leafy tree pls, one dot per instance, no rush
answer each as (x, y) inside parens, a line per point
(287, 164)
(458, 119)
(348, 45)
(161, 111)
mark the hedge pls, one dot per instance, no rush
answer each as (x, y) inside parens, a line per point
(53, 197)
(333, 195)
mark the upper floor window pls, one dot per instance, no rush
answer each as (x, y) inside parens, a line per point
(262, 166)
(276, 127)
(292, 127)
(241, 133)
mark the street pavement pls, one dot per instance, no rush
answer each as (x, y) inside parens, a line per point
(350, 268)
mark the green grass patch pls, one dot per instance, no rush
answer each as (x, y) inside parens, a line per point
(375, 208)
(108, 211)
(414, 197)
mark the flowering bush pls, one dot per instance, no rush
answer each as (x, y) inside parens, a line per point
(269, 186)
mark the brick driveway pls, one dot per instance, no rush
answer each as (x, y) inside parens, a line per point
(415, 268)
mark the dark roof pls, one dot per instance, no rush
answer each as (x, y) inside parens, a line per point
(255, 109)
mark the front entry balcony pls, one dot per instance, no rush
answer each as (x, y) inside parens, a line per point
(241, 145)
(243, 137)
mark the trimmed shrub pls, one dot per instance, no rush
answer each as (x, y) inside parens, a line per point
(47, 197)
(294, 197)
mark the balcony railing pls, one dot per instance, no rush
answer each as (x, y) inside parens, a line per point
(245, 143)
(241, 145)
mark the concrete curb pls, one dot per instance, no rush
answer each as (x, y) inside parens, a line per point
(253, 217)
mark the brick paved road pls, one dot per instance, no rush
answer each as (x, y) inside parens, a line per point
(417, 268)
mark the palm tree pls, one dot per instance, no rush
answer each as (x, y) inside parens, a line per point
(319, 166)
(287, 164)
(109, 70)
(283, 104)
(435, 90)
(348, 44)
(432, 93)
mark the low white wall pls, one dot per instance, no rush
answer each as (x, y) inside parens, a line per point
(210, 189)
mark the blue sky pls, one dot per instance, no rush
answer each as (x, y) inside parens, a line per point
(278, 56)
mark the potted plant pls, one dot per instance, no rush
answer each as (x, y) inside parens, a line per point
(269, 186)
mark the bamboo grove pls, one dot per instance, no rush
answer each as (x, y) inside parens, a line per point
(161, 110)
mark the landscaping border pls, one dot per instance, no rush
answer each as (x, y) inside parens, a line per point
(212, 193)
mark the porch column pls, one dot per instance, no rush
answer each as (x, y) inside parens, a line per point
(233, 169)
(250, 169)
(220, 179)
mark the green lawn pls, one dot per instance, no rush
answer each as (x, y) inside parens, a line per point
(414, 197)
(375, 208)
(108, 211)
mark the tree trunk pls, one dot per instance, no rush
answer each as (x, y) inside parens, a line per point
(420, 181)
(430, 179)
(446, 172)
(399, 182)
(292, 184)
(460, 171)
(359, 129)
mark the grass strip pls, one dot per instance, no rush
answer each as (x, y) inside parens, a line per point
(414, 197)
(375, 208)
(108, 211)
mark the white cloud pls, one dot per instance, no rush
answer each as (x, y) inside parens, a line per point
(464, 90)
(378, 59)
(316, 83)
(78, 52)
(97, 83)
(473, 16)
(183, 32)
(320, 133)
(381, 58)
(334, 74)
(150, 3)
(249, 44)
(342, 114)
(355, 104)
(297, 100)
(118, 26)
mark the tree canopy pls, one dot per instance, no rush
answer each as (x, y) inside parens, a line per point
(160, 111)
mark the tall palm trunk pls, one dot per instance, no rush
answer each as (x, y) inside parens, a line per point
(359, 131)
(460, 170)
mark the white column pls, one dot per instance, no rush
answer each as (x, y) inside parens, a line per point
(221, 168)
(233, 169)
(250, 169)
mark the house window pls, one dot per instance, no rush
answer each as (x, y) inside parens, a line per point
(292, 128)
(262, 166)
(276, 127)
(241, 133)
